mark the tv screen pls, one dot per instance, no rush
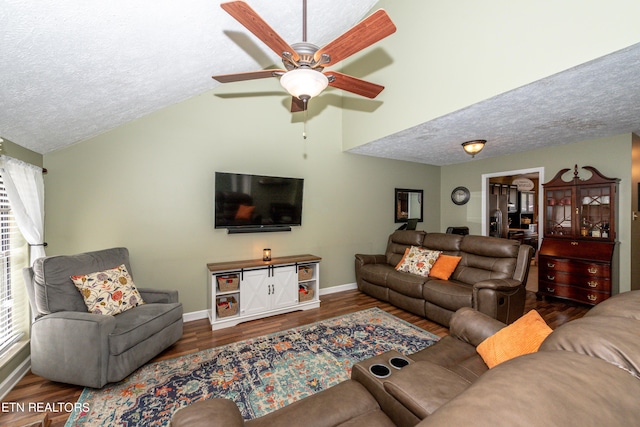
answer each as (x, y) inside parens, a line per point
(257, 202)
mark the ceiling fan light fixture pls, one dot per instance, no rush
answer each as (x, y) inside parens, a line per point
(474, 147)
(304, 83)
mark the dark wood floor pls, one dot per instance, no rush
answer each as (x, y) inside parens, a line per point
(198, 336)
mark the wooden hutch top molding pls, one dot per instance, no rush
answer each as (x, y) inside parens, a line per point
(596, 177)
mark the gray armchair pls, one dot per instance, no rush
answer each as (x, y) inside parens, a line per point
(71, 345)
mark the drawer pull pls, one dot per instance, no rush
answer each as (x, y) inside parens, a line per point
(592, 284)
(551, 290)
(592, 270)
(551, 277)
(574, 243)
(550, 265)
(592, 297)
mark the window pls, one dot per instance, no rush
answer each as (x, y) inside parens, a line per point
(14, 308)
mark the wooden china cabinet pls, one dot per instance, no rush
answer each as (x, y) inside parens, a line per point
(578, 252)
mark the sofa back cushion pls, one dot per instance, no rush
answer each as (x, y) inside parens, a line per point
(552, 388)
(625, 304)
(485, 258)
(613, 339)
(449, 244)
(399, 241)
(54, 289)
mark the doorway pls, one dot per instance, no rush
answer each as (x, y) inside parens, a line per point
(522, 216)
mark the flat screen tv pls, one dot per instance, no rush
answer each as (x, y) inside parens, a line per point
(254, 203)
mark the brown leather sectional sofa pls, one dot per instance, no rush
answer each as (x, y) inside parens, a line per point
(586, 373)
(491, 276)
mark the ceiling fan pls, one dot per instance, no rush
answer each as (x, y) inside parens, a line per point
(303, 75)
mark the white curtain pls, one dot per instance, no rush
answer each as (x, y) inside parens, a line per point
(25, 191)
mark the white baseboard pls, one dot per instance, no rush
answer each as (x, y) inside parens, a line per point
(195, 315)
(10, 382)
(340, 288)
(202, 314)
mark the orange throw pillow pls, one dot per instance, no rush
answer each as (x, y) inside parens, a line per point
(245, 212)
(521, 337)
(444, 266)
(406, 251)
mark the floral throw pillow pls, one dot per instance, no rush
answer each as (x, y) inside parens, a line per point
(108, 292)
(418, 260)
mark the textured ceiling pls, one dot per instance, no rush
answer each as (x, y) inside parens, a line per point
(596, 99)
(73, 69)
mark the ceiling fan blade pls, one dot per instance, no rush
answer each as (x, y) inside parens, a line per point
(244, 14)
(354, 85)
(367, 32)
(250, 75)
(297, 105)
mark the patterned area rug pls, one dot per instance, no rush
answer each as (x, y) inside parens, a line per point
(260, 374)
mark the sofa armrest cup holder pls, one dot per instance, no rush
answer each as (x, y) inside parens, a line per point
(379, 370)
(398, 362)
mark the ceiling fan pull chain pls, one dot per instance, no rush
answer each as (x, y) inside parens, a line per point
(304, 126)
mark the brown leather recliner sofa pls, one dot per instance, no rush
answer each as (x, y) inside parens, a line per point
(491, 276)
(587, 372)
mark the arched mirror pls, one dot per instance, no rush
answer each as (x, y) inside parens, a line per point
(408, 204)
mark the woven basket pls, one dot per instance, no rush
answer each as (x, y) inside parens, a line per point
(305, 293)
(227, 306)
(228, 283)
(305, 272)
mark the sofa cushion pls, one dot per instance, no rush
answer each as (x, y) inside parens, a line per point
(400, 240)
(406, 283)
(447, 243)
(448, 294)
(523, 336)
(408, 387)
(54, 290)
(376, 273)
(418, 260)
(135, 325)
(476, 268)
(485, 258)
(547, 388)
(625, 304)
(455, 355)
(444, 266)
(347, 403)
(611, 338)
(108, 292)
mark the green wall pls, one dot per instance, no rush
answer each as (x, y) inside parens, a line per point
(148, 185)
(447, 55)
(611, 156)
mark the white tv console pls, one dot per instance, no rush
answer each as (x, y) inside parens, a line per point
(240, 291)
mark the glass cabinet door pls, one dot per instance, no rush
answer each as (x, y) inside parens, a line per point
(594, 205)
(559, 212)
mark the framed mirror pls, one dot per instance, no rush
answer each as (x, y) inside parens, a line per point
(408, 204)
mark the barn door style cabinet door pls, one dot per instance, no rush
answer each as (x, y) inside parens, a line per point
(578, 256)
(269, 288)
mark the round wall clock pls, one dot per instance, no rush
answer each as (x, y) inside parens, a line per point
(460, 195)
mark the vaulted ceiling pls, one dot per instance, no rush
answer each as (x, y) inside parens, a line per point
(72, 70)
